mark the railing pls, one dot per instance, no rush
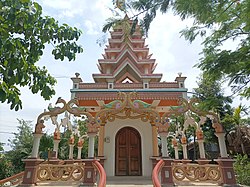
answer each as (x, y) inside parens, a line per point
(102, 173)
(128, 86)
(163, 85)
(196, 173)
(93, 85)
(155, 174)
(59, 172)
(13, 180)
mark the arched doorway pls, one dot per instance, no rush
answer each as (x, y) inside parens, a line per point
(128, 152)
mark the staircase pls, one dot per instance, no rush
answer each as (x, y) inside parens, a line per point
(129, 181)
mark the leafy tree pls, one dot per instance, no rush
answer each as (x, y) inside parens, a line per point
(46, 144)
(23, 139)
(219, 22)
(211, 95)
(239, 134)
(1, 147)
(212, 98)
(6, 168)
(24, 35)
(242, 170)
(21, 145)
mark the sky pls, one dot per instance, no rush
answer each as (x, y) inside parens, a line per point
(173, 54)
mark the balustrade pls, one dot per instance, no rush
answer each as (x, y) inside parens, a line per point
(196, 172)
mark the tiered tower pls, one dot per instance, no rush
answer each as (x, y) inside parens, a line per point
(127, 66)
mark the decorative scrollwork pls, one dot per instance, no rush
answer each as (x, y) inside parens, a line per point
(111, 118)
(196, 173)
(214, 174)
(179, 173)
(72, 107)
(60, 172)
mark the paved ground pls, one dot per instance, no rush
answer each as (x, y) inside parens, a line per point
(129, 181)
(124, 182)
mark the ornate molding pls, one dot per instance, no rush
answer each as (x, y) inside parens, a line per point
(127, 107)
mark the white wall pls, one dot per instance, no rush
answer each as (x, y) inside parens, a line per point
(145, 130)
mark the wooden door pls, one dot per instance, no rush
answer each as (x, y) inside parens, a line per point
(128, 152)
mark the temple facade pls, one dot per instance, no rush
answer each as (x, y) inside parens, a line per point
(127, 141)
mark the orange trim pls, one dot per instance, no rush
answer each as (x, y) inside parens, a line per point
(88, 103)
(168, 103)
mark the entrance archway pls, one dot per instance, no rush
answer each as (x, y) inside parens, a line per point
(128, 152)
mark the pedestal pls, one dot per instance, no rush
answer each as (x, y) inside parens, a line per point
(201, 149)
(227, 172)
(36, 143)
(222, 144)
(91, 146)
(71, 149)
(56, 145)
(89, 178)
(79, 153)
(166, 173)
(184, 149)
(176, 152)
(30, 171)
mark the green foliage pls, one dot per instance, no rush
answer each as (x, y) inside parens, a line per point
(212, 98)
(24, 34)
(21, 145)
(242, 170)
(6, 167)
(238, 129)
(211, 95)
(46, 144)
(23, 139)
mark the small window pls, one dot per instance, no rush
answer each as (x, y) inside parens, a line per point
(181, 85)
(110, 85)
(75, 85)
(145, 85)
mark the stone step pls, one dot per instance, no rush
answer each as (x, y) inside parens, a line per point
(129, 181)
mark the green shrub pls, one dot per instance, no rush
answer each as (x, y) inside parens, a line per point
(242, 170)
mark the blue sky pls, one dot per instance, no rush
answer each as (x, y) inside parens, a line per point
(172, 53)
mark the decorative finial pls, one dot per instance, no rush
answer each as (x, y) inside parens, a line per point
(77, 74)
(180, 73)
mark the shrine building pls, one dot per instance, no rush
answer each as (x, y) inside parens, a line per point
(127, 143)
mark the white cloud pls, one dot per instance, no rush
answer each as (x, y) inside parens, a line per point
(65, 8)
(57, 4)
(92, 28)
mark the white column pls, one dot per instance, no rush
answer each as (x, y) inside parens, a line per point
(71, 148)
(184, 149)
(201, 149)
(79, 153)
(222, 144)
(55, 148)
(91, 146)
(164, 144)
(36, 143)
(176, 152)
